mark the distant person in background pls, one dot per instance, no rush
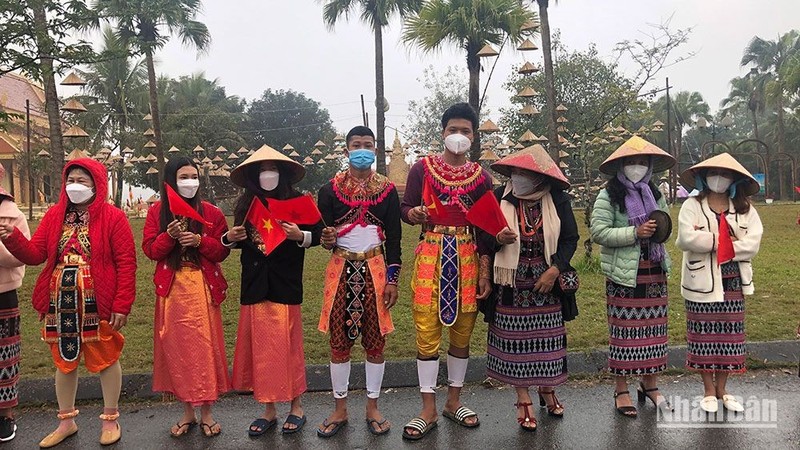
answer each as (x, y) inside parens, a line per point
(85, 291)
(269, 359)
(189, 359)
(720, 233)
(635, 269)
(664, 188)
(11, 273)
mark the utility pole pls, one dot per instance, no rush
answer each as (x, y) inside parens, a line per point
(28, 144)
(673, 172)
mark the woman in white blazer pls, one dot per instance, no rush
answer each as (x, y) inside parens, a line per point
(719, 232)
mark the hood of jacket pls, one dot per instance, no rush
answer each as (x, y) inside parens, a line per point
(99, 176)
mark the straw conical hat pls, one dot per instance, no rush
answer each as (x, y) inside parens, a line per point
(637, 146)
(534, 159)
(267, 153)
(721, 161)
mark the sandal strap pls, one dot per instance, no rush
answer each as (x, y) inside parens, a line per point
(110, 417)
(417, 423)
(68, 415)
(463, 413)
(617, 394)
(520, 405)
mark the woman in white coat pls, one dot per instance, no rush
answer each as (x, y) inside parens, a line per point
(719, 232)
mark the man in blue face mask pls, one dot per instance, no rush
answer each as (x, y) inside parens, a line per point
(363, 210)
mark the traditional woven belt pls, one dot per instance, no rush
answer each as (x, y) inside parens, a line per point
(358, 256)
(73, 259)
(447, 229)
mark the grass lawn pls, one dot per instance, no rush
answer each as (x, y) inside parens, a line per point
(772, 313)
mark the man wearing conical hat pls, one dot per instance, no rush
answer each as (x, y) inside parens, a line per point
(635, 266)
(451, 269)
(720, 233)
(362, 210)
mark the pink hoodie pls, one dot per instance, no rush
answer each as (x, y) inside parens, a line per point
(11, 269)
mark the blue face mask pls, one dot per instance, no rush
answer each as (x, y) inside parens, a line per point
(362, 158)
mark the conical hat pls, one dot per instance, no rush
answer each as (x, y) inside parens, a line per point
(267, 153)
(637, 146)
(534, 159)
(721, 161)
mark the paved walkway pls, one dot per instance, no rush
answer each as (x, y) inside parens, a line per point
(772, 420)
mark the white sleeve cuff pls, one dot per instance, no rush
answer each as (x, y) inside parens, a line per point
(306, 242)
(222, 240)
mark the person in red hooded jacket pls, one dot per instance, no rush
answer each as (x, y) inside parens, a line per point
(189, 347)
(90, 263)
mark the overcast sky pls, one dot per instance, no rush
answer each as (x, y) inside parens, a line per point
(283, 44)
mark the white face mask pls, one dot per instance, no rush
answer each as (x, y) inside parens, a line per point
(268, 179)
(718, 183)
(79, 194)
(522, 185)
(458, 144)
(635, 172)
(188, 188)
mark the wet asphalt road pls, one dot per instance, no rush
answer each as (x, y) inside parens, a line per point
(772, 420)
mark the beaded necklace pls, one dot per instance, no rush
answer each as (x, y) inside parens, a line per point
(360, 195)
(454, 182)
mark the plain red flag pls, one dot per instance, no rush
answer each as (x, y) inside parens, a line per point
(725, 252)
(797, 189)
(179, 207)
(299, 210)
(270, 230)
(431, 201)
(486, 214)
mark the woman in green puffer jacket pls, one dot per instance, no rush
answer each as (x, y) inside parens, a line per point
(635, 270)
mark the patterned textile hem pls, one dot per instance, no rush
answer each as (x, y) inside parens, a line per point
(637, 372)
(703, 370)
(528, 382)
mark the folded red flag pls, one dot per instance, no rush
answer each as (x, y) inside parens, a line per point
(179, 207)
(299, 210)
(431, 201)
(486, 214)
(797, 189)
(725, 252)
(270, 230)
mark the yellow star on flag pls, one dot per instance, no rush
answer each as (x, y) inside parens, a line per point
(267, 225)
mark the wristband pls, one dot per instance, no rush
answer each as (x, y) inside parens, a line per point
(393, 274)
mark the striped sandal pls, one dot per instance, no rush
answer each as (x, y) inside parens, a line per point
(461, 415)
(419, 425)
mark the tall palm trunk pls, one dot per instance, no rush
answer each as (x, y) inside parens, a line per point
(123, 126)
(755, 123)
(474, 68)
(781, 144)
(380, 117)
(549, 78)
(151, 80)
(45, 45)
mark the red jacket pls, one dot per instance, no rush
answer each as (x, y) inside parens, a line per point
(113, 252)
(157, 245)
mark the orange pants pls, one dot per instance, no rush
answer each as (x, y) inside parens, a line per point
(97, 355)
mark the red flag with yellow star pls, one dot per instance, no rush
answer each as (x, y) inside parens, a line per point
(431, 201)
(270, 230)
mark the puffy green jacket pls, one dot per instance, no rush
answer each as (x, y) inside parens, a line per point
(619, 255)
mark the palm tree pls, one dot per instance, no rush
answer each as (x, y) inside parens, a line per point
(468, 24)
(746, 92)
(376, 14)
(549, 77)
(148, 25)
(118, 87)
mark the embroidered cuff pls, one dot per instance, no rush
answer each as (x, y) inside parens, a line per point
(306, 242)
(484, 271)
(393, 274)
